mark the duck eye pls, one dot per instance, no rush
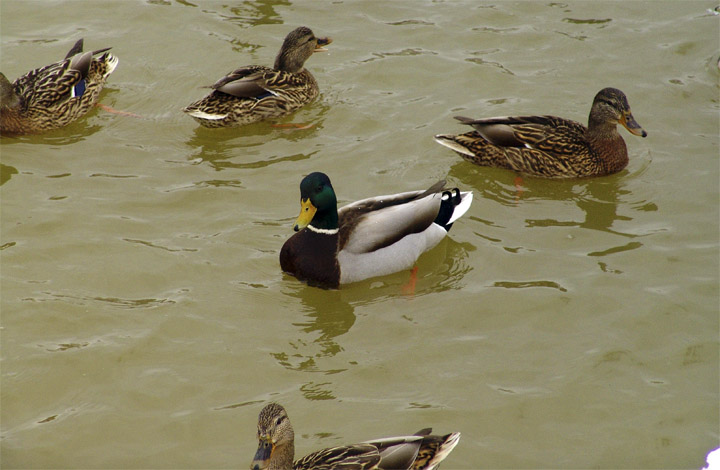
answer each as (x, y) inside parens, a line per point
(279, 420)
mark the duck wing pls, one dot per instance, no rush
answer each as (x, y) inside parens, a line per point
(245, 82)
(543, 145)
(542, 132)
(352, 457)
(377, 222)
(52, 84)
(419, 451)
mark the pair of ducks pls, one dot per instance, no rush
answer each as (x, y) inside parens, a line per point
(372, 237)
(57, 94)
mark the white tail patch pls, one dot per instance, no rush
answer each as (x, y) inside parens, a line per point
(111, 62)
(444, 450)
(445, 141)
(209, 117)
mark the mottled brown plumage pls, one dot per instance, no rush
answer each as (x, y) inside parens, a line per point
(371, 237)
(550, 146)
(254, 93)
(276, 449)
(54, 95)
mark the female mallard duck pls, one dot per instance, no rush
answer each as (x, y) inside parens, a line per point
(256, 92)
(55, 95)
(549, 146)
(276, 449)
(371, 237)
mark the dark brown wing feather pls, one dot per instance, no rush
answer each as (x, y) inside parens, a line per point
(76, 49)
(429, 448)
(246, 82)
(547, 146)
(256, 81)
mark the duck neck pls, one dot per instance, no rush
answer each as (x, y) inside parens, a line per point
(326, 221)
(282, 458)
(288, 62)
(605, 141)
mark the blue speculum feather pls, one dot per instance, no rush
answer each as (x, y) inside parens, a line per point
(78, 89)
(264, 95)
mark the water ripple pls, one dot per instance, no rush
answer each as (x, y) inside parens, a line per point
(525, 284)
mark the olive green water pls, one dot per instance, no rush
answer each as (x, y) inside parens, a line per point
(566, 324)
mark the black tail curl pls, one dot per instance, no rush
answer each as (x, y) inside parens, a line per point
(450, 199)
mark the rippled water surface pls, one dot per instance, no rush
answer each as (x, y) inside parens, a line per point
(562, 324)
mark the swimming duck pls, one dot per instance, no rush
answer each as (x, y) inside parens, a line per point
(276, 449)
(55, 95)
(549, 146)
(371, 237)
(253, 93)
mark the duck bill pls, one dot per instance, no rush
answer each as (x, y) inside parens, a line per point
(632, 126)
(307, 212)
(261, 461)
(321, 42)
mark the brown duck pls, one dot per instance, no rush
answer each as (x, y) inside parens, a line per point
(550, 146)
(276, 449)
(253, 93)
(54, 95)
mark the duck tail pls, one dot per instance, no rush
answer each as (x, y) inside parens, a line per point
(443, 451)
(454, 204)
(76, 49)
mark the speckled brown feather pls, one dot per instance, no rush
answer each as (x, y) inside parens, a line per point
(429, 449)
(398, 453)
(550, 146)
(255, 93)
(276, 94)
(43, 95)
(559, 148)
(352, 457)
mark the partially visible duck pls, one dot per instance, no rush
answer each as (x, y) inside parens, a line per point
(276, 449)
(54, 95)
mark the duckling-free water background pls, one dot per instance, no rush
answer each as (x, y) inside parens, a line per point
(567, 324)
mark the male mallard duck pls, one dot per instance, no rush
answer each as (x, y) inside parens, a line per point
(371, 237)
(55, 95)
(276, 449)
(550, 146)
(256, 92)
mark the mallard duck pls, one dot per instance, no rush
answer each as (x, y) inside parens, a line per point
(253, 93)
(276, 449)
(550, 146)
(371, 237)
(55, 95)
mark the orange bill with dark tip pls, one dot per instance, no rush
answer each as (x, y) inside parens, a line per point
(629, 122)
